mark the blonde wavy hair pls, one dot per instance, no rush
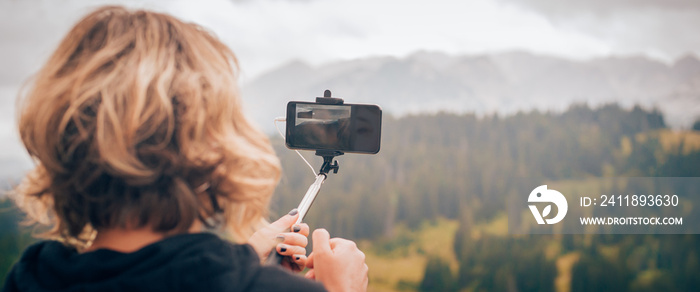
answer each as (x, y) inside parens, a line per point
(136, 121)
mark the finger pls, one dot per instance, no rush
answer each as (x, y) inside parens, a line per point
(343, 243)
(290, 250)
(322, 240)
(310, 275)
(286, 221)
(300, 260)
(301, 228)
(293, 239)
(310, 261)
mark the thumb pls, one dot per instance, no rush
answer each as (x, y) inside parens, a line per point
(322, 239)
(286, 221)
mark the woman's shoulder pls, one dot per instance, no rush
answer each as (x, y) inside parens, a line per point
(241, 271)
(195, 262)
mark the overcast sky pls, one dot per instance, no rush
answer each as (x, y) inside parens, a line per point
(267, 33)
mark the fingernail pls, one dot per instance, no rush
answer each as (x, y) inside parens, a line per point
(293, 212)
(296, 228)
(283, 248)
(280, 238)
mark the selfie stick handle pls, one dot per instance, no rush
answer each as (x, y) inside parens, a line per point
(275, 258)
(328, 165)
(310, 196)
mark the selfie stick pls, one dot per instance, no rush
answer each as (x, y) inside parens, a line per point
(328, 165)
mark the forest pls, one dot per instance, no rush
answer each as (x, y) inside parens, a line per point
(436, 192)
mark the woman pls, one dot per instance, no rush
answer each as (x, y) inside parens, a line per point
(140, 144)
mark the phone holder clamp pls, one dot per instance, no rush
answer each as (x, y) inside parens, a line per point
(328, 161)
(327, 99)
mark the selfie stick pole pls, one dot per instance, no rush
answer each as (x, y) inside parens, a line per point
(328, 165)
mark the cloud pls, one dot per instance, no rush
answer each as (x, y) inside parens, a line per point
(604, 7)
(266, 33)
(661, 28)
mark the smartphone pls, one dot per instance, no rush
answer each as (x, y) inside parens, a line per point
(350, 128)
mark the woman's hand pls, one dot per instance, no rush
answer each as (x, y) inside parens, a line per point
(287, 238)
(337, 263)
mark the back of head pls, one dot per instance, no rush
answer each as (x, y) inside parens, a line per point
(136, 121)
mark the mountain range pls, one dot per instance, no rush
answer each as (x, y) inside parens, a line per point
(502, 83)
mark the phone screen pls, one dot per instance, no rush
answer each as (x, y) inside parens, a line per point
(354, 128)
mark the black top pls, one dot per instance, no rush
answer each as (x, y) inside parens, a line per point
(186, 262)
